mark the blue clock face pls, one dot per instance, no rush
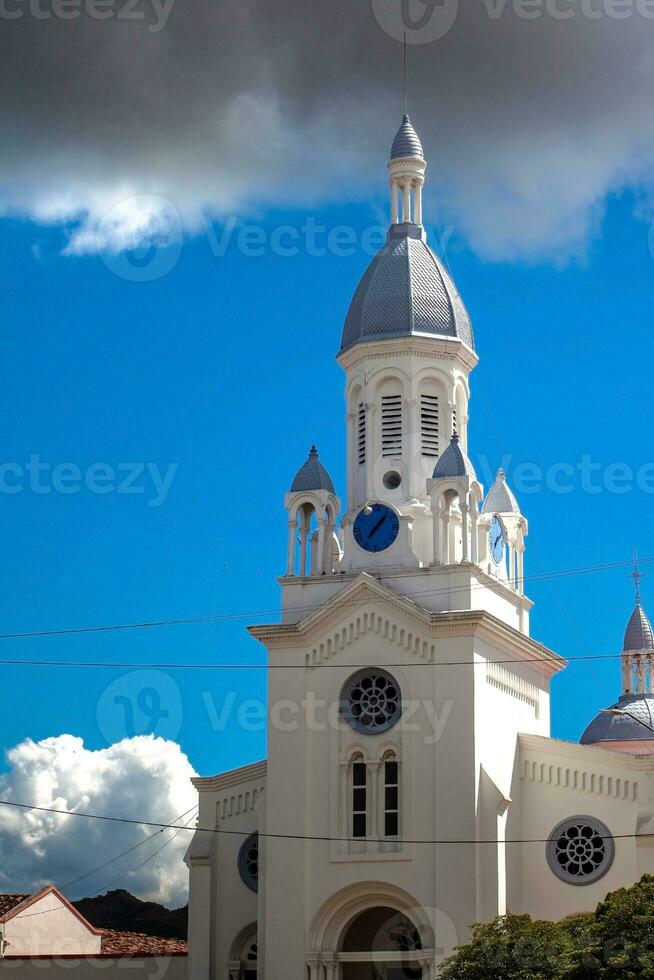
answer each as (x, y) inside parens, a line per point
(378, 530)
(496, 540)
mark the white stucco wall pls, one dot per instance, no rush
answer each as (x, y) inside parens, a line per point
(48, 926)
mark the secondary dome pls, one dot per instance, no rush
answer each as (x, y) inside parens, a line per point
(638, 635)
(454, 462)
(632, 722)
(312, 475)
(406, 291)
(407, 142)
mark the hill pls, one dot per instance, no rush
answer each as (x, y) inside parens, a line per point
(119, 909)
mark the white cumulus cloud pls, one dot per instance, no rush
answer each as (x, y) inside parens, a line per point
(141, 778)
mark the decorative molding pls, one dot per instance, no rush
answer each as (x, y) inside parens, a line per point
(423, 345)
(371, 621)
(583, 780)
(236, 804)
(499, 676)
(256, 771)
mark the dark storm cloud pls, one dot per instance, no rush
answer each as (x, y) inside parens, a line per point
(530, 111)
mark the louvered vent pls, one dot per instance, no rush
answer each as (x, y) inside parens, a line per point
(429, 425)
(391, 407)
(361, 434)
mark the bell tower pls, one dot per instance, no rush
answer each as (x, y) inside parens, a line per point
(407, 351)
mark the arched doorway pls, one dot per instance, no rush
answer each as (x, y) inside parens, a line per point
(244, 955)
(381, 944)
(371, 931)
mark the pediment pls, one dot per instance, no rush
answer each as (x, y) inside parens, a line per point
(363, 606)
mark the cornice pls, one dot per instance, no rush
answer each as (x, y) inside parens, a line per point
(438, 348)
(559, 748)
(400, 619)
(234, 777)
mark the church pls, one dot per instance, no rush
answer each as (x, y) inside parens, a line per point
(411, 786)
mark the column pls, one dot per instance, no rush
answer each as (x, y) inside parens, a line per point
(290, 560)
(351, 454)
(416, 483)
(640, 665)
(394, 208)
(320, 559)
(417, 199)
(331, 970)
(315, 971)
(445, 550)
(304, 534)
(374, 807)
(474, 534)
(406, 202)
(436, 532)
(521, 570)
(626, 675)
(465, 509)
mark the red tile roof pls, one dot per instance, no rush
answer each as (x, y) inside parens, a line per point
(115, 943)
(9, 902)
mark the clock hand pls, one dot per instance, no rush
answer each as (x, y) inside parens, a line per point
(377, 526)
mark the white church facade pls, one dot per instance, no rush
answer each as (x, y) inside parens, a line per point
(411, 786)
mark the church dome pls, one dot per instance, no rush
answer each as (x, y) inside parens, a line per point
(638, 635)
(312, 475)
(405, 291)
(454, 462)
(407, 142)
(500, 499)
(636, 715)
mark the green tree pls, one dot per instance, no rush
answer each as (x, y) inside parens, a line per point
(512, 947)
(619, 943)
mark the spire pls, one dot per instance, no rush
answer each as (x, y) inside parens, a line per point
(406, 170)
(636, 576)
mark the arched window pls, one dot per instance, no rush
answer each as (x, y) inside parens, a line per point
(391, 777)
(359, 791)
(361, 433)
(391, 425)
(429, 435)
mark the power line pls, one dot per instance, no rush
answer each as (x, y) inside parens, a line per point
(145, 665)
(299, 837)
(117, 857)
(256, 614)
(138, 867)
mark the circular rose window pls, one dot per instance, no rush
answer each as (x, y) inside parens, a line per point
(371, 701)
(580, 850)
(248, 862)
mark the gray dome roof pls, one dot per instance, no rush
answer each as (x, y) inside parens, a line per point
(312, 475)
(500, 499)
(407, 142)
(454, 462)
(638, 635)
(622, 728)
(405, 291)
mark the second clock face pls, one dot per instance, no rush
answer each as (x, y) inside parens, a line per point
(496, 540)
(378, 530)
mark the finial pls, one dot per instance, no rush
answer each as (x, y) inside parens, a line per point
(501, 475)
(636, 576)
(313, 451)
(455, 436)
(404, 66)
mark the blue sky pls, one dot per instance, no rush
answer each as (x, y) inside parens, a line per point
(225, 368)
